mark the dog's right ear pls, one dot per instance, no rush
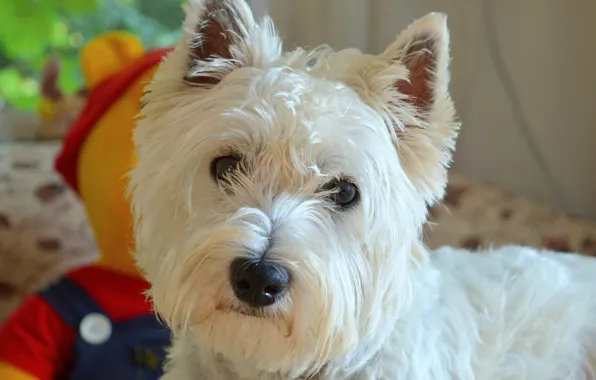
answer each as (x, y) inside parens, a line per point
(218, 36)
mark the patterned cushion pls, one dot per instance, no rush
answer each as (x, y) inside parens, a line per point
(476, 215)
(43, 227)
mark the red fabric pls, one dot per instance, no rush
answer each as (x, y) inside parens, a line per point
(98, 102)
(121, 296)
(38, 341)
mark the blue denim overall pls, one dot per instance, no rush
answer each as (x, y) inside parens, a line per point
(133, 349)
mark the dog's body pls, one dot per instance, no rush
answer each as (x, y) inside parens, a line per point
(512, 313)
(279, 201)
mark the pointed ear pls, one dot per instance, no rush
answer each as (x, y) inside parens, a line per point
(218, 33)
(426, 140)
(423, 48)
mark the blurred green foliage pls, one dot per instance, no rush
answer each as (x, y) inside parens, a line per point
(33, 31)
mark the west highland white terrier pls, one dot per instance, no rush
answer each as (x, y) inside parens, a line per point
(279, 201)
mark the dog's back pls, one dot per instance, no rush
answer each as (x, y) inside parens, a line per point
(519, 313)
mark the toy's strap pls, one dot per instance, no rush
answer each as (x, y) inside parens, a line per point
(70, 301)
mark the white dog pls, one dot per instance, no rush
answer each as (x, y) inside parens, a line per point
(279, 201)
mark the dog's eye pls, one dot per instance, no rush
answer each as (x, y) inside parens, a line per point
(222, 167)
(343, 193)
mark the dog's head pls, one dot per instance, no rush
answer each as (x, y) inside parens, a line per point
(279, 198)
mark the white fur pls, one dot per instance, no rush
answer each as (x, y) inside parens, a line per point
(367, 301)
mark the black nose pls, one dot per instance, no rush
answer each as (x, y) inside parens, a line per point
(258, 283)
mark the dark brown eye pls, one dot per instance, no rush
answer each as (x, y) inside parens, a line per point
(222, 167)
(343, 193)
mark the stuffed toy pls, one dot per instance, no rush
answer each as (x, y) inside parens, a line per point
(57, 110)
(95, 322)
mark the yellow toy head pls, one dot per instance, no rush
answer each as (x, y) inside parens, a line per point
(98, 150)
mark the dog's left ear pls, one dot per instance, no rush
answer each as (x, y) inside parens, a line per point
(427, 131)
(218, 34)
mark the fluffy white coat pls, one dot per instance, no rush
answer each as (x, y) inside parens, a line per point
(367, 301)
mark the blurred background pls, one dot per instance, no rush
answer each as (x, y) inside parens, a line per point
(32, 32)
(522, 79)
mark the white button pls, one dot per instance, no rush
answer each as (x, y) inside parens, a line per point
(95, 328)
